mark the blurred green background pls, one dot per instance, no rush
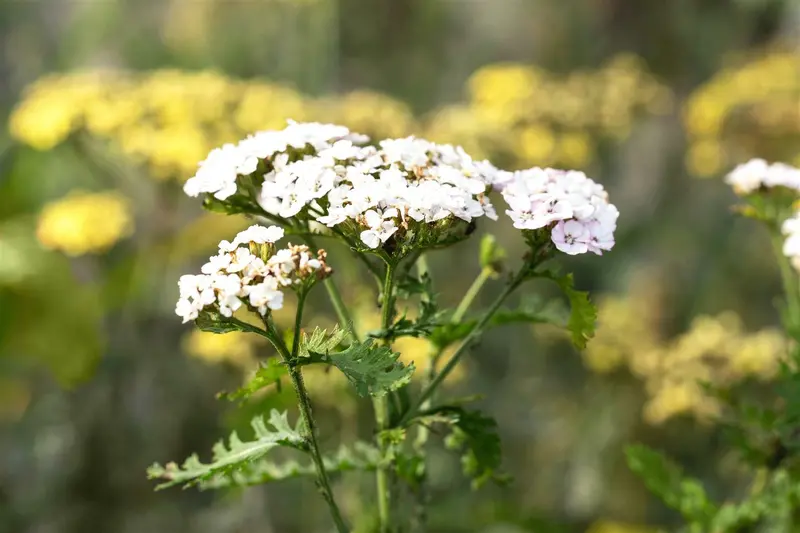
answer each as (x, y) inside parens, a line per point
(110, 104)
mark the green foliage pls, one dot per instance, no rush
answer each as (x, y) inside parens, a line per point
(666, 480)
(475, 435)
(583, 314)
(268, 373)
(775, 502)
(532, 310)
(360, 456)
(429, 317)
(236, 457)
(321, 342)
(213, 322)
(373, 370)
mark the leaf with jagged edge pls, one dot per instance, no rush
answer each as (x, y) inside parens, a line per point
(321, 342)
(268, 373)
(234, 457)
(359, 456)
(373, 370)
(666, 480)
(583, 314)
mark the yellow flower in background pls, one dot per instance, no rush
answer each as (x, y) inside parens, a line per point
(610, 526)
(267, 106)
(371, 113)
(237, 348)
(705, 158)
(52, 108)
(715, 349)
(82, 223)
(746, 110)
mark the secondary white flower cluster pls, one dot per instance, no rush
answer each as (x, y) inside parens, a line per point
(217, 174)
(756, 173)
(388, 189)
(574, 206)
(247, 271)
(791, 246)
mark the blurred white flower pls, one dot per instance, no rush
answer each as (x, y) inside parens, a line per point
(756, 173)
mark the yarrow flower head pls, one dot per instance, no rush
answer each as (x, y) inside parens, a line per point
(249, 272)
(756, 174)
(791, 246)
(566, 203)
(218, 174)
(401, 194)
(406, 193)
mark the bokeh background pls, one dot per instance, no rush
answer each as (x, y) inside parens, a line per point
(110, 104)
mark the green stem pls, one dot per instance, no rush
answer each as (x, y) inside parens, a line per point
(790, 285)
(383, 474)
(476, 331)
(469, 297)
(422, 493)
(304, 403)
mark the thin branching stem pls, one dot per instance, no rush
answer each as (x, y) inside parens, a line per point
(383, 474)
(476, 331)
(304, 403)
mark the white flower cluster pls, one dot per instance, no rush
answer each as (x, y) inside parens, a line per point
(756, 173)
(237, 276)
(404, 181)
(218, 172)
(791, 246)
(574, 206)
(323, 173)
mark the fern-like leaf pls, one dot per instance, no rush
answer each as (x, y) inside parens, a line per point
(360, 456)
(236, 456)
(667, 481)
(268, 373)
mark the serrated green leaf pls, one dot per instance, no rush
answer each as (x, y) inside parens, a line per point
(666, 480)
(238, 455)
(268, 373)
(359, 456)
(373, 370)
(213, 322)
(321, 342)
(583, 314)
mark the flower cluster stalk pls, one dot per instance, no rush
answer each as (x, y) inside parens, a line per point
(304, 403)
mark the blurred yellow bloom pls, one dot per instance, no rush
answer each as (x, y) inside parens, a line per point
(705, 158)
(237, 348)
(537, 144)
(367, 112)
(52, 108)
(82, 223)
(715, 349)
(609, 526)
(748, 109)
